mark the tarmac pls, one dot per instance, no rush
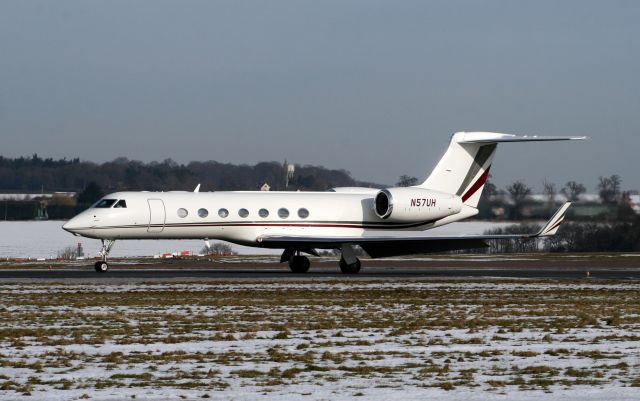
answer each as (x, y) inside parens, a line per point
(558, 266)
(270, 273)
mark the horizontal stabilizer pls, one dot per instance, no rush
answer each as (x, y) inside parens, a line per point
(494, 137)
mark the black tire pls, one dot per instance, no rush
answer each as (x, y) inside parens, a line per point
(101, 267)
(352, 268)
(299, 264)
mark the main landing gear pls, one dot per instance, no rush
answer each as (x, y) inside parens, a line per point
(102, 265)
(299, 263)
(349, 263)
(350, 268)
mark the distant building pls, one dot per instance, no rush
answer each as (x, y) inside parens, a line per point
(265, 187)
(23, 196)
(635, 203)
(36, 206)
(23, 209)
(537, 206)
(632, 200)
(559, 197)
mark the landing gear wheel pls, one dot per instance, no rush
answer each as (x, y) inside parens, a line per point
(299, 264)
(101, 267)
(352, 268)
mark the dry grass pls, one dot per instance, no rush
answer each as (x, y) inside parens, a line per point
(448, 335)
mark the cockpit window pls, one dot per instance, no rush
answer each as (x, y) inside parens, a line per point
(121, 204)
(105, 203)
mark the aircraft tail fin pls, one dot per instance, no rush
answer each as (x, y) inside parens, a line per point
(464, 168)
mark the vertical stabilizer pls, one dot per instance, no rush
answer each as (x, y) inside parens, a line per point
(464, 168)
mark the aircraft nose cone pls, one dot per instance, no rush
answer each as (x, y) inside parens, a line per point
(66, 226)
(71, 226)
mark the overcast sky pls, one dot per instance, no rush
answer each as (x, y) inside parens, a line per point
(374, 87)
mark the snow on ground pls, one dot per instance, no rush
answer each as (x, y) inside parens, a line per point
(44, 239)
(475, 340)
(499, 285)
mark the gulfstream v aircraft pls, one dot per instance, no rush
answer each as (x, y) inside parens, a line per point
(387, 222)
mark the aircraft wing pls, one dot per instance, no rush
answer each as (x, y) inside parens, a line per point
(378, 246)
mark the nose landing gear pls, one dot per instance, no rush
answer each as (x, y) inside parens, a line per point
(102, 266)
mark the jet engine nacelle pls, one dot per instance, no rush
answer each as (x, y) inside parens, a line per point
(415, 204)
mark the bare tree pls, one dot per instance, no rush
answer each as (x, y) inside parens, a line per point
(406, 181)
(91, 193)
(609, 188)
(518, 192)
(572, 190)
(490, 190)
(550, 191)
(68, 253)
(219, 248)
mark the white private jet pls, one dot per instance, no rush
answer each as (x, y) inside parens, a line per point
(302, 222)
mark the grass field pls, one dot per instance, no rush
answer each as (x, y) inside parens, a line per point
(498, 339)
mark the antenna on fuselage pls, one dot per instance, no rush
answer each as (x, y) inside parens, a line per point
(197, 188)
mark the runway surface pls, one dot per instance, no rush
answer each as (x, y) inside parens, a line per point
(283, 274)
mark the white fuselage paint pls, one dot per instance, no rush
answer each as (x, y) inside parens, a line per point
(154, 215)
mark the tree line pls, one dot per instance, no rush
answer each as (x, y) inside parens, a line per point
(92, 180)
(615, 230)
(515, 198)
(35, 173)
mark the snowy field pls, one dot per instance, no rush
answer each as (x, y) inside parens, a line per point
(44, 239)
(473, 340)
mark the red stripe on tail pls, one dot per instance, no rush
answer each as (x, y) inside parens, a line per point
(477, 185)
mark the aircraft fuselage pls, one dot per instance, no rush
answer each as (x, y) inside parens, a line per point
(241, 217)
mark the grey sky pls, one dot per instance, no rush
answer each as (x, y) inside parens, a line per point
(374, 87)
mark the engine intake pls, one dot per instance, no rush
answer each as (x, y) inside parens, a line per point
(384, 204)
(415, 204)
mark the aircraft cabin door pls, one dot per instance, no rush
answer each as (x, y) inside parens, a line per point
(157, 215)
